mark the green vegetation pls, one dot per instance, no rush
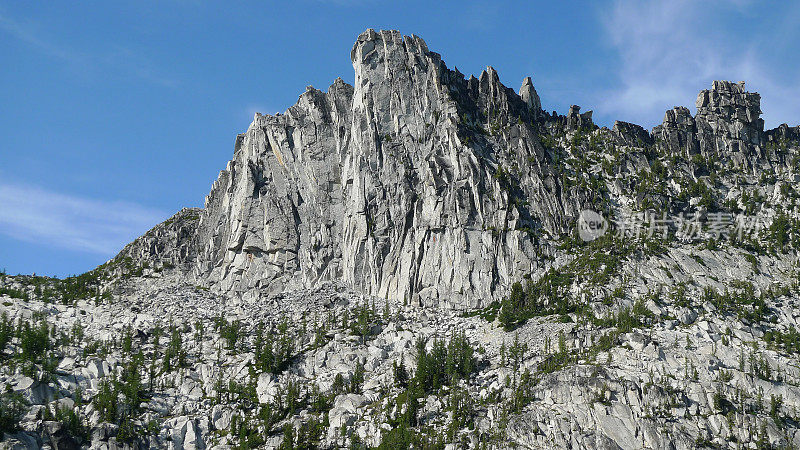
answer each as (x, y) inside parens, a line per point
(691, 188)
(775, 405)
(118, 398)
(174, 355)
(32, 344)
(34, 341)
(14, 293)
(12, 408)
(229, 331)
(637, 316)
(783, 233)
(249, 430)
(401, 436)
(66, 291)
(596, 264)
(444, 365)
(740, 298)
(274, 352)
(72, 423)
(365, 320)
(788, 341)
(307, 436)
(6, 332)
(752, 260)
(521, 385)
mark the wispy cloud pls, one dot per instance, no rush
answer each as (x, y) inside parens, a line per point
(118, 60)
(87, 225)
(28, 33)
(670, 50)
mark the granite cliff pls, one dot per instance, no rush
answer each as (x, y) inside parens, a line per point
(420, 185)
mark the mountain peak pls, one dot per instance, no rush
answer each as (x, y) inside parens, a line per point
(730, 101)
(383, 44)
(528, 94)
(377, 184)
(727, 124)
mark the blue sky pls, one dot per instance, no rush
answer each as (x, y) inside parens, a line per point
(114, 115)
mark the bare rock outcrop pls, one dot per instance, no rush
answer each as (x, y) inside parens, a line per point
(421, 186)
(400, 186)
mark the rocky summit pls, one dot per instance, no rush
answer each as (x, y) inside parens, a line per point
(426, 260)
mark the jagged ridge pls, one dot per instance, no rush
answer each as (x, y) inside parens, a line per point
(418, 185)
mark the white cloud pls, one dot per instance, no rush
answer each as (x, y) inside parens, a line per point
(101, 227)
(669, 51)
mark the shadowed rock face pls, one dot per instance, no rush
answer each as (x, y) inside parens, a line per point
(416, 184)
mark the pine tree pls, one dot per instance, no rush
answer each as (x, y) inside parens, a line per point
(400, 374)
(357, 380)
(511, 307)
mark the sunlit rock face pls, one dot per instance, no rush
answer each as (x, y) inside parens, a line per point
(421, 186)
(391, 185)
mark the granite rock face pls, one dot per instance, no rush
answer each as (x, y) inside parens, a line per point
(685, 376)
(727, 124)
(169, 245)
(419, 185)
(396, 186)
(631, 134)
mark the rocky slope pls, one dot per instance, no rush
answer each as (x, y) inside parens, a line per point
(399, 263)
(683, 374)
